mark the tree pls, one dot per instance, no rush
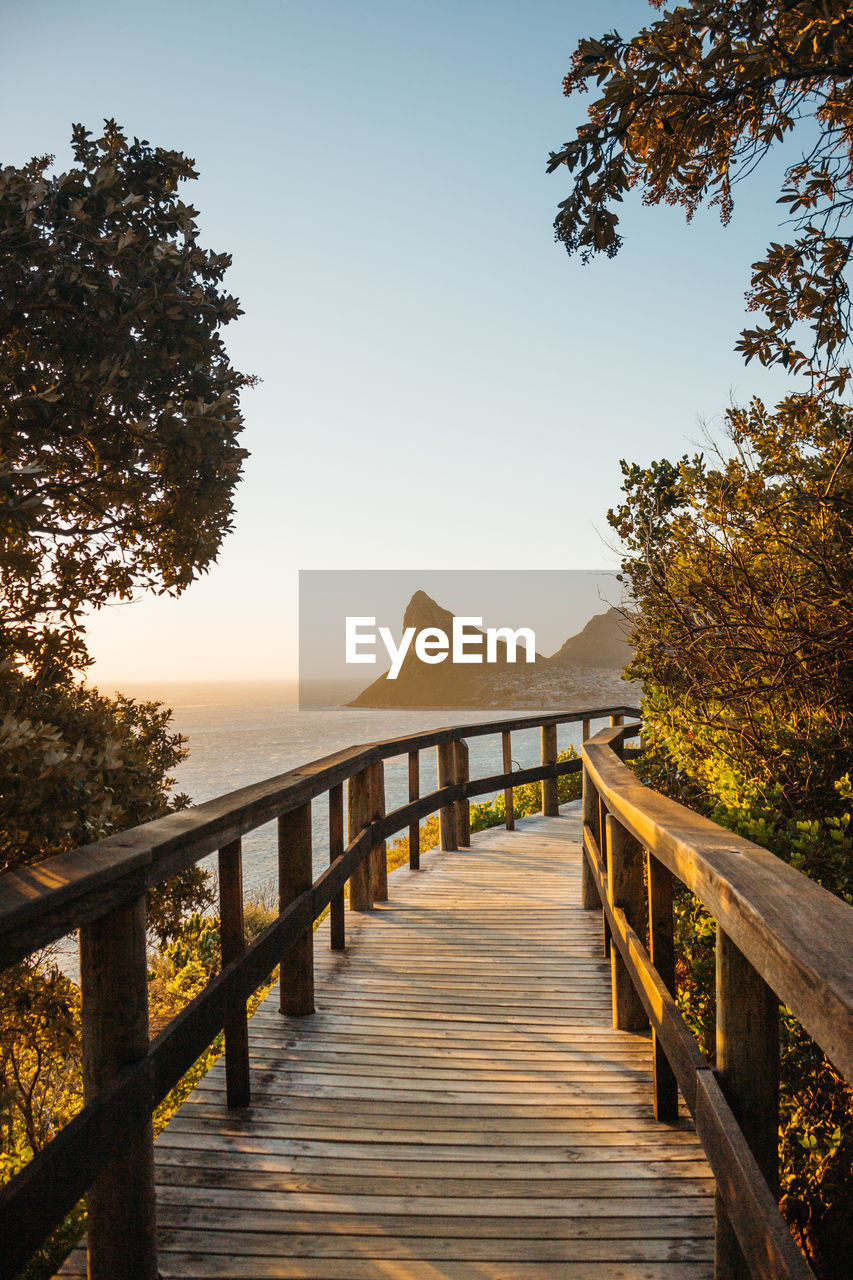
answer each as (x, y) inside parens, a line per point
(690, 106)
(76, 766)
(119, 418)
(743, 574)
(119, 410)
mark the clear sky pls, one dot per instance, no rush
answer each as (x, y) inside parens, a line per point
(442, 386)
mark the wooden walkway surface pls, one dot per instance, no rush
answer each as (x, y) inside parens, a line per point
(459, 1107)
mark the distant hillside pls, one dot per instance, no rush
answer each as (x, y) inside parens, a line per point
(585, 670)
(602, 643)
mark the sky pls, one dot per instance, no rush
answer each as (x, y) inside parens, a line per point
(442, 387)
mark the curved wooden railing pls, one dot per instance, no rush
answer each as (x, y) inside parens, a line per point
(106, 1152)
(780, 937)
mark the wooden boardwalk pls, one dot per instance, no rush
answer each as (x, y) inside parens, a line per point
(459, 1107)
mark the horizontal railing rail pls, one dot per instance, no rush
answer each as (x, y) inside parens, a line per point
(106, 1152)
(780, 937)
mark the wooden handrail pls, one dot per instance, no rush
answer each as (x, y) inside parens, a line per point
(793, 931)
(780, 936)
(94, 888)
(45, 902)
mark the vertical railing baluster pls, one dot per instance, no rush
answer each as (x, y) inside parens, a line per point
(604, 831)
(295, 876)
(550, 807)
(358, 817)
(378, 853)
(615, 721)
(662, 955)
(414, 794)
(232, 945)
(625, 889)
(590, 812)
(337, 918)
(509, 794)
(121, 1201)
(446, 769)
(747, 1066)
(463, 811)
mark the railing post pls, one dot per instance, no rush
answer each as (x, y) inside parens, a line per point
(446, 757)
(114, 985)
(358, 817)
(616, 720)
(662, 956)
(295, 875)
(337, 919)
(550, 807)
(604, 833)
(509, 794)
(747, 1066)
(463, 811)
(414, 794)
(378, 854)
(232, 944)
(589, 891)
(585, 730)
(625, 889)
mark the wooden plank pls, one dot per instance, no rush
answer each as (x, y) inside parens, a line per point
(359, 817)
(463, 813)
(549, 757)
(295, 875)
(446, 769)
(232, 945)
(211, 1188)
(509, 794)
(608, 1131)
(692, 1223)
(591, 820)
(216, 1268)
(747, 1059)
(337, 917)
(491, 1249)
(662, 956)
(120, 1203)
(625, 889)
(414, 827)
(378, 854)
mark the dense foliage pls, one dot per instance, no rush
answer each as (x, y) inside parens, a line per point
(119, 408)
(742, 567)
